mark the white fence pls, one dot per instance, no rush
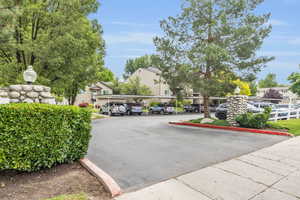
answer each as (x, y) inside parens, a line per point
(282, 115)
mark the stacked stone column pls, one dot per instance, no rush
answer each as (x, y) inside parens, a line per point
(237, 105)
(4, 98)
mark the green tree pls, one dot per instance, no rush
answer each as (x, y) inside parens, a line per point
(141, 62)
(251, 80)
(294, 78)
(176, 76)
(135, 87)
(57, 38)
(214, 36)
(269, 81)
(105, 75)
(116, 86)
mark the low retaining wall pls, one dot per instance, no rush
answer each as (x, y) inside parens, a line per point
(26, 94)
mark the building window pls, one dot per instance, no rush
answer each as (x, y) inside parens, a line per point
(167, 92)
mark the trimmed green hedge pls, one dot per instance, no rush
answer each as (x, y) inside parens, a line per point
(36, 136)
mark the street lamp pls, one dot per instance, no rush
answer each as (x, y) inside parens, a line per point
(237, 90)
(29, 75)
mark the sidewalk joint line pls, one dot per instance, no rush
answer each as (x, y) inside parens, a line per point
(261, 167)
(189, 186)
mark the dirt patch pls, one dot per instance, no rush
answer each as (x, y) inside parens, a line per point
(62, 179)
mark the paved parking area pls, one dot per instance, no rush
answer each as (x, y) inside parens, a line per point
(141, 151)
(272, 173)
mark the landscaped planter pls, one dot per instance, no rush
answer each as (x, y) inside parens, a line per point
(260, 131)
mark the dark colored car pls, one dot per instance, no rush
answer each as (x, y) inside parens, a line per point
(162, 109)
(221, 112)
(114, 108)
(211, 108)
(134, 108)
(192, 108)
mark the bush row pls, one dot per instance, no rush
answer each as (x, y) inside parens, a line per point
(35, 136)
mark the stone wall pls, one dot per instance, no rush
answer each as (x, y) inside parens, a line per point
(4, 98)
(237, 105)
(28, 94)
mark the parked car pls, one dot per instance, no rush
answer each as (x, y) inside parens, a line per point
(162, 109)
(134, 108)
(211, 108)
(192, 108)
(114, 108)
(221, 111)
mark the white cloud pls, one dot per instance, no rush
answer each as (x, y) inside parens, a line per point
(125, 56)
(276, 22)
(130, 37)
(291, 1)
(294, 41)
(122, 23)
(279, 53)
(284, 39)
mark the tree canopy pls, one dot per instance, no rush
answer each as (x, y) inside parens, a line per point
(214, 37)
(294, 78)
(132, 87)
(141, 62)
(244, 86)
(65, 48)
(268, 82)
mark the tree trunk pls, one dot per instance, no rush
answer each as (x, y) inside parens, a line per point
(206, 106)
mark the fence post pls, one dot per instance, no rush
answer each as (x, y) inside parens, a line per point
(276, 116)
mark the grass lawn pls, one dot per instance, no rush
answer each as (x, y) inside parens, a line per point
(293, 125)
(81, 196)
(215, 122)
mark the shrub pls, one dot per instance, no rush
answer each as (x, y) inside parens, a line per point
(35, 136)
(250, 120)
(154, 103)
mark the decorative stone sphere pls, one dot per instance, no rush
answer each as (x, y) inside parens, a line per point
(30, 75)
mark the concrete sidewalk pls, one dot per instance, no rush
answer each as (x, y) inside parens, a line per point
(269, 174)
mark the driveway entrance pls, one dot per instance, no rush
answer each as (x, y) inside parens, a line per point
(140, 151)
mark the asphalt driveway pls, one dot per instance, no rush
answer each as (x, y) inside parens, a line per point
(140, 151)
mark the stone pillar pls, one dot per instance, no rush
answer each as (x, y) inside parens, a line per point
(4, 98)
(237, 105)
(30, 94)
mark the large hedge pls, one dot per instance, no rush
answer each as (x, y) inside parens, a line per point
(35, 136)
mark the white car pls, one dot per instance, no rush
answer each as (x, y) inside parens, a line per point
(114, 109)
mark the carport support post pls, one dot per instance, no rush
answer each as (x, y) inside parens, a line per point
(237, 105)
(176, 107)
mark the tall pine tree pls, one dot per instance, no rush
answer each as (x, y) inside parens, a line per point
(214, 37)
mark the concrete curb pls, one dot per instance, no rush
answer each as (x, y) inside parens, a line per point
(231, 128)
(109, 183)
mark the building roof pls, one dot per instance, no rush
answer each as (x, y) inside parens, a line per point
(98, 85)
(153, 69)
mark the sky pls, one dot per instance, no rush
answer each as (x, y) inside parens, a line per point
(130, 25)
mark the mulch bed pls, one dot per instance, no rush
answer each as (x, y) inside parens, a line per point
(62, 179)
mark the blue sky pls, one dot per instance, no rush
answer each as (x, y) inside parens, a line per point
(130, 25)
